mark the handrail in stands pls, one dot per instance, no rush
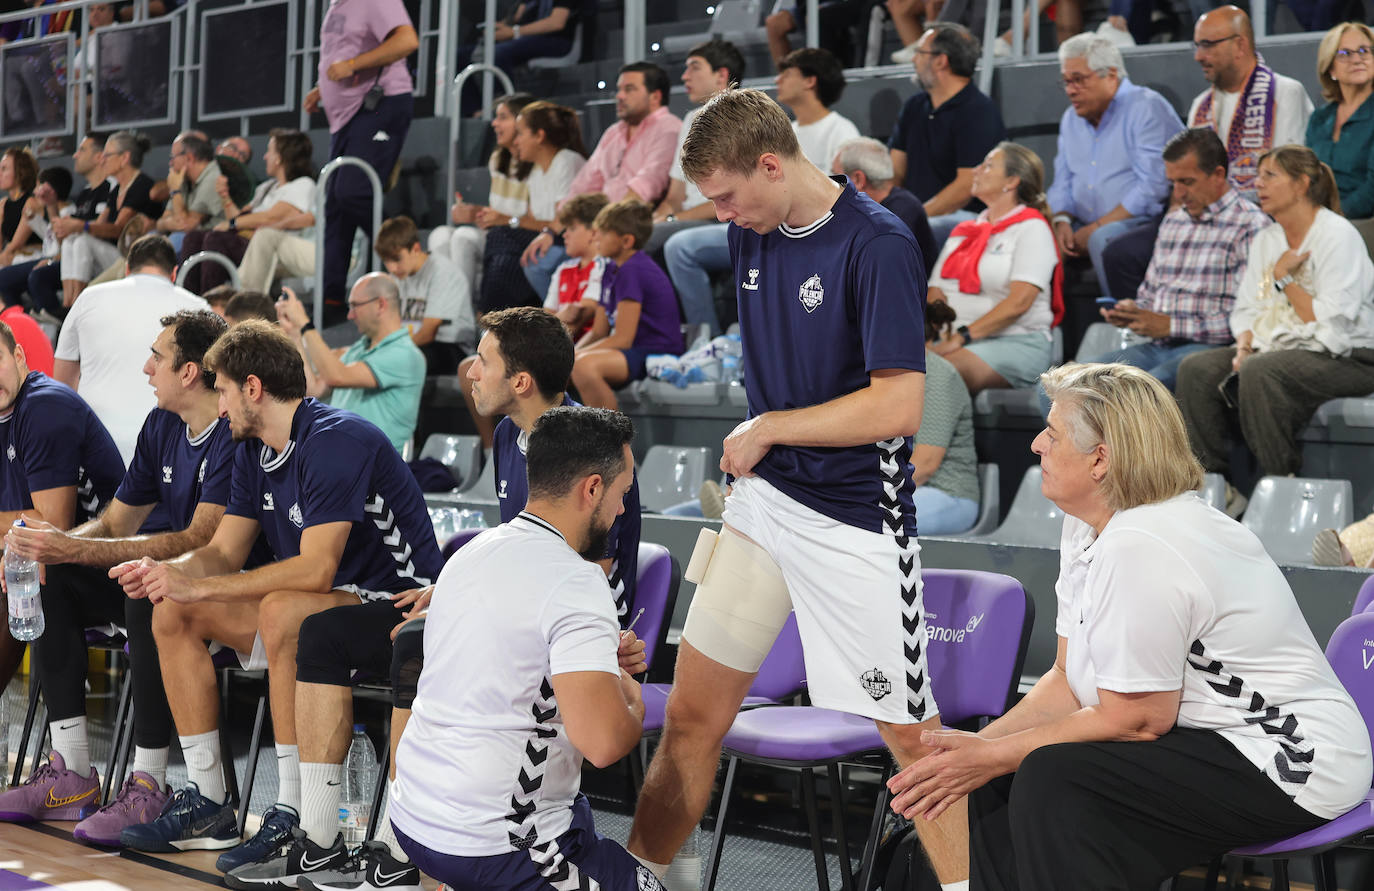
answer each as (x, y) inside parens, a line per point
(456, 117)
(214, 257)
(321, 189)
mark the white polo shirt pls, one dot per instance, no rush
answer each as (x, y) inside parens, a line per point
(485, 766)
(1178, 596)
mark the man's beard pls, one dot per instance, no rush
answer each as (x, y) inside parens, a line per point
(597, 537)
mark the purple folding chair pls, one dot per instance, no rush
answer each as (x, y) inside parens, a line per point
(1345, 652)
(460, 538)
(656, 585)
(978, 626)
(1364, 598)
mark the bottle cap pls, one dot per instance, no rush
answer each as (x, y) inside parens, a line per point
(359, 728)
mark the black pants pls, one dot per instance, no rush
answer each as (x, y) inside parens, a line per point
(345, 639)
(1125, 260)
(74, 599)
(1122, 815)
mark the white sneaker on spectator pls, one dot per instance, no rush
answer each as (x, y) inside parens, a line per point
(1328, 550)
(905, 55)
(1001, 47)
(1115, 34)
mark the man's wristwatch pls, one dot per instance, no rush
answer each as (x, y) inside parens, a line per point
(514, 32)
(308, 326)
(514, 222)
(962, 331)
(670, 218)
(1284, 282)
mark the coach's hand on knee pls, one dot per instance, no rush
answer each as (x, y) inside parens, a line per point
(959, 763)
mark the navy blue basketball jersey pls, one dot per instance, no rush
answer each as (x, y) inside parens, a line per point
(52, 439)
(820, 308)
(336, 468)
(178, 472)
(513, 490)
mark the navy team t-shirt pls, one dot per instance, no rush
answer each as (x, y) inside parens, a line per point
(176, 472)
(336, 468)
(52, 439)
(513, 490)
(820, 308)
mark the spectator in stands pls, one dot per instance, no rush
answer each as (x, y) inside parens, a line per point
(192, 176)
(238, 148)
(381, 375)
(345, 520)
(45, 280)
(465, 242)
(1068, 21)
(636, 316)
(1184, 303)
(836, 18)
(47, 204)
(549, 137)
(710, 67)
(1303, 324)
(1001, 272)
(181, 470)
(366, 91)
(104, 343)
(631, 160)
(18, 179)
(1108, 171)
(534, 29)
(160, 191)
(809, 82)
(944, 466)
(945, 131)
(218, 297)
(1189, 711)
(244, 305)
(1342, 131)
(868, 165)
(280, 204)
(908, 17)
(436, 307)
(579, 278)
(89, 246)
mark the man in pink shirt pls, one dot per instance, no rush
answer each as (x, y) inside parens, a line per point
(366, 91)
(632, 159)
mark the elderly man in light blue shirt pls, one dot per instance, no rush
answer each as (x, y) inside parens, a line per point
(1109, 171)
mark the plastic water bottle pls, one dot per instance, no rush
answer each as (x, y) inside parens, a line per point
(359, 785)
(26, 604)
(684, 873)
(4, 738)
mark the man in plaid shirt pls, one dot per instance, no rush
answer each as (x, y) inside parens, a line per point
(1184, 303)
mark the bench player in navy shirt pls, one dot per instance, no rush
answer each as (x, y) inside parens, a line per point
(521, 371)
(346, 522)
(831, 291)
(181, 466)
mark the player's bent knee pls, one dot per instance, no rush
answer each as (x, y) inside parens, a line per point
(322, 655)
(741, 601)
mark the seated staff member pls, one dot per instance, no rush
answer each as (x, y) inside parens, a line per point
(1189, 709)
(522, 613)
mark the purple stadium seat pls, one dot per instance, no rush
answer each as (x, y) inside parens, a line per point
(1364, 598)
(656, 585)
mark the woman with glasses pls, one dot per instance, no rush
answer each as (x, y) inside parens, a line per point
(1342, 131)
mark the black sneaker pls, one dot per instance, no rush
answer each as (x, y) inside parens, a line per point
(372, 869)
(280, 869)
(273, 832)
(189, 822)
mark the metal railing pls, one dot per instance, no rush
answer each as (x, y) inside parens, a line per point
(456, 112)
(321, 188)
(200, 257)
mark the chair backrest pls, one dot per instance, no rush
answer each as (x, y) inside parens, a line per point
(736, 15)
(783, 671)
(1033, 519)
(978, 626)
(571, 57)
(1057, 346)
(460, 538)
(656, 586)
(1286, 512)
(1102, 338)
(483, 487)
(461, 454)
(1213, 490)
(989, 499)
(672, 474)
(1353, 661)
(1364, 598)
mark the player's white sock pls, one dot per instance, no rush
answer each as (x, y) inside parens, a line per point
(202, 756)
(385, 834)
(955, 886)
(69, 740)
(289, 778)
(658, 869)
(320, 788)
(153, 762)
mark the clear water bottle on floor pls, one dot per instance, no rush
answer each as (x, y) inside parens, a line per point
(684, 873)
(359, 784)
(26, 604)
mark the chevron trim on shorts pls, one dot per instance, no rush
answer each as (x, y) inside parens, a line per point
(893, 472)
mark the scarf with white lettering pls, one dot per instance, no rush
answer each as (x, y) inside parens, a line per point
(1252, 127)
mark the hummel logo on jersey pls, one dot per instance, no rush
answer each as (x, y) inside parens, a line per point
(875, 684)
(10, 451)
(166, 473)
(501, 492)
(295, 516)
(811, 294)
(753, 283)
(201, 478)
(267, 501)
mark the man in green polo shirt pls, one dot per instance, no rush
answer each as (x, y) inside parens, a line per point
(381, 375)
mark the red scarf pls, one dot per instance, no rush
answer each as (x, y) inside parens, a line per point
(962, 262)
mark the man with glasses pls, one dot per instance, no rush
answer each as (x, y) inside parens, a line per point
(1108, 171)
(381, 375)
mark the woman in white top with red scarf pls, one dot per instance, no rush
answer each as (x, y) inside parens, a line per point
(1001, 272)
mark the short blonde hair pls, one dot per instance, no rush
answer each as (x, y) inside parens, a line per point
(1137, 419)
(732, 130)
(1326, 56)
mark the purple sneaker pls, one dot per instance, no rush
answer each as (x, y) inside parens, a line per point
(140, 801)
(51, 793)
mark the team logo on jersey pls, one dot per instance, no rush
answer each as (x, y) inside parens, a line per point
(875, 684)
(295, 516)
(10, 451)
(166, 473)
(753, 283)
(645, 880)
(201, 477)
(501, 492)
(811, 293)
(267, 503)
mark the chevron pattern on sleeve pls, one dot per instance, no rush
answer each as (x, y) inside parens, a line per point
(376, 510)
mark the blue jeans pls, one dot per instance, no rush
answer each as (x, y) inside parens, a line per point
(540, 273)
(940, 513)
(692, 255)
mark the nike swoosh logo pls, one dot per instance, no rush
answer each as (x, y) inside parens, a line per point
(308, 864)
(386, 877)
(331, 782)
(53, 801)
(67, 726)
